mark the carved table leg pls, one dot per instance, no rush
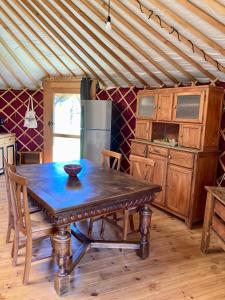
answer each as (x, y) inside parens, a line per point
(145, 222)
(61, 244)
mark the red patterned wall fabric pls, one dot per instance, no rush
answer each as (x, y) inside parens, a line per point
(13, 106)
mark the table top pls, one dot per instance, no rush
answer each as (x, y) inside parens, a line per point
(52, 188)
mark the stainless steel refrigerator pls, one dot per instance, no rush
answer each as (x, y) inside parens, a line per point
(97, 119)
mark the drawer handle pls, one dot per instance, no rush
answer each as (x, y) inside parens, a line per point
(170, 157)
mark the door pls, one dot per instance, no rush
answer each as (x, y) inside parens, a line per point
(165, 107)
(66, 127)
(142, 130)
(190, 136)
(178, 190)
(189, 106)
(159, 176)
(146, 106)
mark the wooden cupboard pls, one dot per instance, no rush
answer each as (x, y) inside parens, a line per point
(180, 133)
(7, 149)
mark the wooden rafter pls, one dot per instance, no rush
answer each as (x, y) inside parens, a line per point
(26, 37)
(18, 62)
(66, 45)
(113, 41)
(165, 10)
(135, 46)
(83, 38)
(164, 25)
(204, 15)
(16, 39)
(4, 80)
(168, 43)
(215, 5)
(5, 63)
(38, 26)
(119, 15)
(74, 42)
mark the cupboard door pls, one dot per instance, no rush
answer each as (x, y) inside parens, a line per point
(159, 177)
(146, 106)
(138, 149)
(178, 190)
(189, 106)
(190, 136)
(165, 107)
(10, 153)
(142, 130)
(1, 158)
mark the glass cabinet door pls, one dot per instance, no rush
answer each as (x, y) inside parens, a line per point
(188, 107)
(147, 106)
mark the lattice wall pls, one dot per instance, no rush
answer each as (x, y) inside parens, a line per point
(13, 105)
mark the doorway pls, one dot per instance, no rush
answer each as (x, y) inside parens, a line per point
(66, 127)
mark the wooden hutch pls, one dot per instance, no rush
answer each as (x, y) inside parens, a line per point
(179, 129)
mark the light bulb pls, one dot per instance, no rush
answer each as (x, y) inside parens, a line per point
(108, 24)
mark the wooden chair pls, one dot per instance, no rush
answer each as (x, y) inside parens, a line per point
(111, 160)
(32, 226)
(32, 207)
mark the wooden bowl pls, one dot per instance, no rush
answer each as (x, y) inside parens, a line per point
(72, 169)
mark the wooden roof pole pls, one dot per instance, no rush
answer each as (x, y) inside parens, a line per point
(70, 37)
(186, 41)
(42, 29)
(58, 36)
(142, 37)
(82, 37)
(26, 35)
(165, 10)
(168, 43)
(10, 70)
(215, 5)
(114, 42)
(202, 14)
(6, 83)
(19, 63)
(28, 53)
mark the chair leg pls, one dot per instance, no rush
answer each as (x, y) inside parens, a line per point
(90, 227)
(28, 258)
(125, 224)
(102, 228)
(8, 234)
(15, 248)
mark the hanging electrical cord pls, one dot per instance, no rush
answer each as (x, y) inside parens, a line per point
(108, 20)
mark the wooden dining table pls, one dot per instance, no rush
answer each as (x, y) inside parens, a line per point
(95, 192)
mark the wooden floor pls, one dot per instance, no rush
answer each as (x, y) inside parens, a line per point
(175, 270)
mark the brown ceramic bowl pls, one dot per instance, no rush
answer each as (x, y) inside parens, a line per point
(72, 169)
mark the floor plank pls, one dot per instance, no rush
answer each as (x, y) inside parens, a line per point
(176, 268)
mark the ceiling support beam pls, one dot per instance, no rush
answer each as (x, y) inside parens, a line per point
(6, 83)
(115, 43)
(82, 37)
(38, 26)
(19, 63)
(66, 45)
(165, 10)
(215, 5)
(168, 43)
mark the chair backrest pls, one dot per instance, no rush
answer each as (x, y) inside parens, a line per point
(18, 188)
(8, 167)
(142, 168)
(111, 159)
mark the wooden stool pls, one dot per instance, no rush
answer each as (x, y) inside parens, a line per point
(30, 157)
(214, 216)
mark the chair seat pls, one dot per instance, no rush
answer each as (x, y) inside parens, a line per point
(40, 221)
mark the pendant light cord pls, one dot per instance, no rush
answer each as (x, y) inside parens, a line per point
(109, 8)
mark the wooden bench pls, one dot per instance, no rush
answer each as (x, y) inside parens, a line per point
(30, 157)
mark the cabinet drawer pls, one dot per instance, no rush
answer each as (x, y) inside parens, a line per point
(181, 158)
(157, 150)
(9, 140)
(138, 149)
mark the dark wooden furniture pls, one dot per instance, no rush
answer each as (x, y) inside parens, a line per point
(30, 157)
(97, 191)
(179, 129)
(32, 226)
(214, 216)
